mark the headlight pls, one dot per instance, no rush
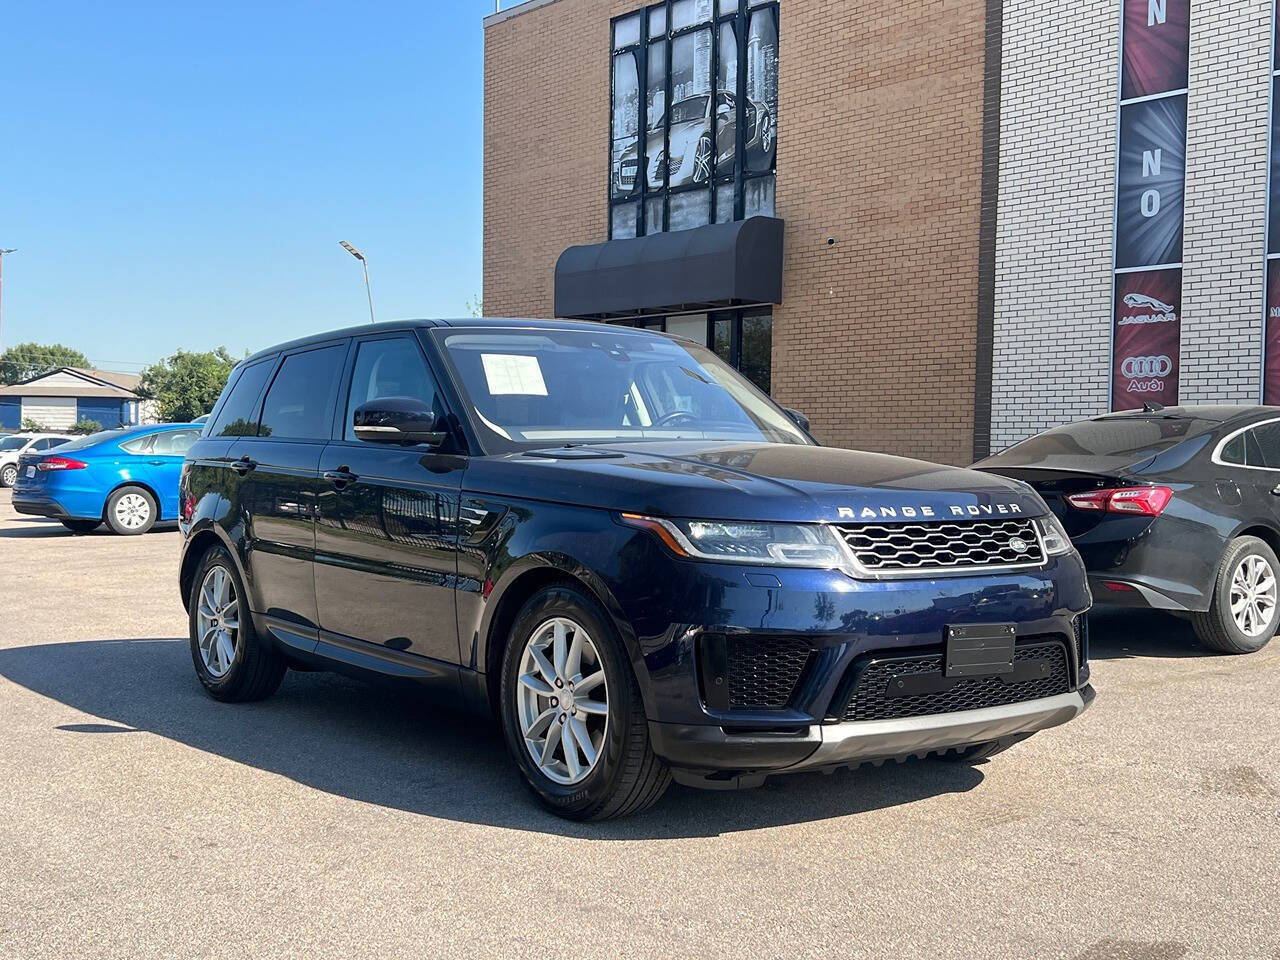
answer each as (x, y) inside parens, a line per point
(773, 544)
(1056, 541)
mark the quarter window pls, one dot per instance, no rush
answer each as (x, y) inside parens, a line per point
(174, 443)
(238, 415)
(389, 368)
(298, 401)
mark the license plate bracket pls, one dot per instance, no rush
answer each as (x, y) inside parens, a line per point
(979, 650)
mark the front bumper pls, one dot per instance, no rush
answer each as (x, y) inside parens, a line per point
(710, 756)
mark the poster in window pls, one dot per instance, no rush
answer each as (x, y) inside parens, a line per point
(1271, 376)
(624, 159)
(1156, 45)
(1148, 309)
(761, 109)
(1149, 192)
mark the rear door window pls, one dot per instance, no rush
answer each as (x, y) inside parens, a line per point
(1267, 449)
(174, 443)
(299, 402)
(139, 445)
(238, 416)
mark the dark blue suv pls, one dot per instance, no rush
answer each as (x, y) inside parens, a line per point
(615, 543)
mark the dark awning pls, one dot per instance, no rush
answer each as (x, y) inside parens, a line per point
(714, 267)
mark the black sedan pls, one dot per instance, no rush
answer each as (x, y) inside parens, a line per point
(1173, 508)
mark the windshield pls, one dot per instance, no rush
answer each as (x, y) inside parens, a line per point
(695, 108)
(14, 443)
(1128, 439)
(540, 388)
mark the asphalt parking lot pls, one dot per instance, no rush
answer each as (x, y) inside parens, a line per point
(141, 819)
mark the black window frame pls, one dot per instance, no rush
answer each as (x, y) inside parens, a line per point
(740, 176)
(338, 432)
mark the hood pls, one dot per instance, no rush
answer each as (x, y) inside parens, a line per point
(729, 481)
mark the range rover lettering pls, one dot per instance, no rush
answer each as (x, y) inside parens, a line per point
(613, 542)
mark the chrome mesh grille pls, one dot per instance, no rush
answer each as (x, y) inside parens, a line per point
(922, 547)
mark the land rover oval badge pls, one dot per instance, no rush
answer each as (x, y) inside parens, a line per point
(1019, 545)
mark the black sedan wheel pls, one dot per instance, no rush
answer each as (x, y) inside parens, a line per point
(82, 526)
(571, 711)
(1245, 612)
(131, 511)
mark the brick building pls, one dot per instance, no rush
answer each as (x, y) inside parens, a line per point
(992, 215)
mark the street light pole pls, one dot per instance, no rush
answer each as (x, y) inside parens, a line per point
(364, 263)
(2, 253)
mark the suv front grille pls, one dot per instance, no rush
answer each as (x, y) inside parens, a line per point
(904, 548)
(763, 671)
(873, 699)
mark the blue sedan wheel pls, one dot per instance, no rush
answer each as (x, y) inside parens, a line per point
(131, 511)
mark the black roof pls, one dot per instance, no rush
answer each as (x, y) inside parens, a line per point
(393, 325)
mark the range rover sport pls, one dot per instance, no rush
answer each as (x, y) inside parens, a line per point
(611, 540)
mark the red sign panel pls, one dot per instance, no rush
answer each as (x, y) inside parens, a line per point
(1271, 381)
(1157, 38)
(1148, 311)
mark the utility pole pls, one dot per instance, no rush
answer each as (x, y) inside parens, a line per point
(364, 263)
(2, 253)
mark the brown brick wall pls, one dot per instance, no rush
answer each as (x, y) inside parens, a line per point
(880, 146)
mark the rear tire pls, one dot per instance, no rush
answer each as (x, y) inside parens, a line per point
(1248, 578)
(131, 511)
(82, 526)
(254, 668)
(9, 475)
(626, 776)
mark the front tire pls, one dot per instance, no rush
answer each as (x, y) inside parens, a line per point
(131, 511)
(8, 475)
(233, 663)
(572, 715)
(1244, 613)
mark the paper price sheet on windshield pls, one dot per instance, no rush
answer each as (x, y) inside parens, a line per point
(512, 374)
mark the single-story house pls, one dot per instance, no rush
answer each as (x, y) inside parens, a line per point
(59, 399)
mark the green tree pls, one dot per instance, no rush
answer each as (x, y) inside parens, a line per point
(475, 306)
(186, 385)
(27, 360)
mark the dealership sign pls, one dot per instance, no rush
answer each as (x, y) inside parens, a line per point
(1150, 179)
(1145, 365)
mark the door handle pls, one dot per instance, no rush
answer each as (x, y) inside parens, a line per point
(340, 477)
(243, 465)
(156, 463)
(1275, 491)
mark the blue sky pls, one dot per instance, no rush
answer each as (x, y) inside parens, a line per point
(179, 175)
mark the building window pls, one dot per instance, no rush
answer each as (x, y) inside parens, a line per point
(694, 115)
(741, 338)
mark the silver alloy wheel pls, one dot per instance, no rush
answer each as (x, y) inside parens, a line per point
(1253, 595)
(132, 511)
(562, 701)
(9, 476)
(702, 161)
(217, 622)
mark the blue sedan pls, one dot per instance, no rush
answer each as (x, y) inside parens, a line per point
(127, 478)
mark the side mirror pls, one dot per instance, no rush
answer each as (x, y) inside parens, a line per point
(800, 419)
(402, 420)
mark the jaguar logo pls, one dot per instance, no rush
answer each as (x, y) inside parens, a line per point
(1018, 545)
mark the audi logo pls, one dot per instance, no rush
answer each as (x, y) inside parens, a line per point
(1146, 366)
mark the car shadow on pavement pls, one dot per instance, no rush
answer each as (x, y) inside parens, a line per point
(51, 529)
(398, 750)
(1121, 634)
